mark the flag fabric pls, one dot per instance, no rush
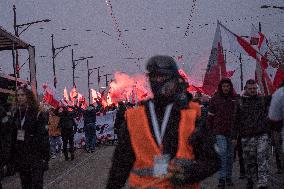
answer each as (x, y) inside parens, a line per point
(65, 95)
(239, 44)
(50, 95)
(262, 76)
(216, 68)
(73, 94)
(230, 73)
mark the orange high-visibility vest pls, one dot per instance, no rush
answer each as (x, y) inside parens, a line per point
(145, 146)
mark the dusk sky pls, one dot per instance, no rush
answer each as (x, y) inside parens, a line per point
(140, 22)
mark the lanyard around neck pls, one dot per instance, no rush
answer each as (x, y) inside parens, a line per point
(23, 119)
(159, 133)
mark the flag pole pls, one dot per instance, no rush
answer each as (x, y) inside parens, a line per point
(241, 69)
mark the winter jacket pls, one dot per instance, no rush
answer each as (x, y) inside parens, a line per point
(206, 159)
(53, 126)
(221, 111)
(251, 117)
(6, 131)
(67, 122)
(35, 147)
(90, 116)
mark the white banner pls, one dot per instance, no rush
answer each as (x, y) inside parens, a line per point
(79, 137)
(105, 126)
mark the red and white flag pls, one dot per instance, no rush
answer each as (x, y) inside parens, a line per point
(216, 68)
(73, 94)
(50, 96)
(239, 44)
(264, 73)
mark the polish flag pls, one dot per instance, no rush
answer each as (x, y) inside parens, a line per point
(50, 95)
(216, 68)
(65, 94)
(239, 44)
(230, 73)
(73, 94)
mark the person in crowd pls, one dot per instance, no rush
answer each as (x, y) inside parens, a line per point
(68, 128)
(54, 133)
(119, 117)
(158, 145)
(90, 128)
(31, 149)
(251, 125)
(220, 120)
(5, 141)
(276, 116)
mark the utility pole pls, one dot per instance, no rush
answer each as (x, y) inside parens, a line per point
(17, 34)
(89, 74)
(74, 64)
(106, 75)
(73, 68)
(17, 66)
(241, 69)
(90, 71)
(53, 61)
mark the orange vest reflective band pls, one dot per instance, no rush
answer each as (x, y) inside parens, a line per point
(196, 107)
(145, 146)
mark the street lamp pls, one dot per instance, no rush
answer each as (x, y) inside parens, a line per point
(54, 54)
(16, 29)
(90, 71)
(75, 63)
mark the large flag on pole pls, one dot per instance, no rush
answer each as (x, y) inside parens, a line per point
(239, 44)
(216, 68)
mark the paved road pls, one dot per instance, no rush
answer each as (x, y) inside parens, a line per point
(91, 170)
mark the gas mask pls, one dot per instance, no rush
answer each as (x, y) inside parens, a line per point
(170, 90)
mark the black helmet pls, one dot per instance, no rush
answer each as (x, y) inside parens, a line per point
(164, 65)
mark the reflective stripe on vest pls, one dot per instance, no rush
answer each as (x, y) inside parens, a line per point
(145, 146)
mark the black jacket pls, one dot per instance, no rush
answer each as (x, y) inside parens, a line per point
(251, 117)
(207, 160)
(6, 137)
(35, 147)
(67, 122)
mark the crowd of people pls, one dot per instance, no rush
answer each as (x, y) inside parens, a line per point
(172, 140)
(32, 133)
(247, 124)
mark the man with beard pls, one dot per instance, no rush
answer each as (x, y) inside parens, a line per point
(220, 121)
(159, 146)
(251, 126)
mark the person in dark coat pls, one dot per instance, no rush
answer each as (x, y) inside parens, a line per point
(220, 121)
(90, 128)
(5, 145)
(119, 117)
(31, 151)
(68, 129)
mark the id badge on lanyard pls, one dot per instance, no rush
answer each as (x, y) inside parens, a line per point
(21, 135)
(161, 162)
(21, 131)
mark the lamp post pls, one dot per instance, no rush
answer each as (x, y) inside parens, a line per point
(25, 26)
(106, 75)
(54, 54)
(75, 63)
(90, 71)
